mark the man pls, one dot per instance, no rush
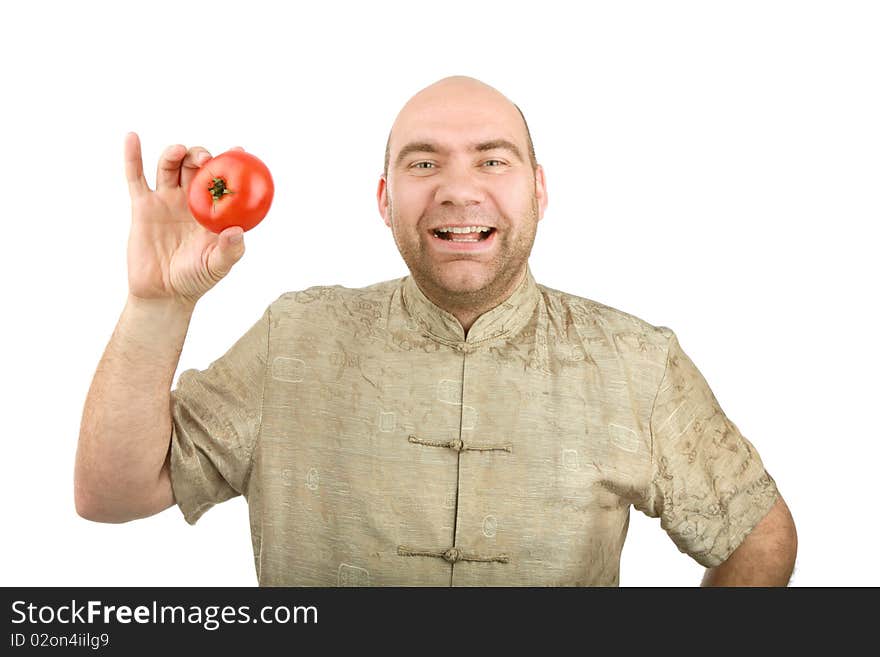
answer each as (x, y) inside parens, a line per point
(459, 426)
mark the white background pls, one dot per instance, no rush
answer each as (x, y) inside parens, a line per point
(711, 167)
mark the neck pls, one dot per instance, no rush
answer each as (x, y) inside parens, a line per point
(467, 308)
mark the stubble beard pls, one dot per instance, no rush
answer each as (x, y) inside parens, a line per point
(475, 286)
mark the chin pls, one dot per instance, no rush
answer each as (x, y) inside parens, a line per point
(464, 277)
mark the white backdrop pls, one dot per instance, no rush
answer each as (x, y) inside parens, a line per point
(719, 162)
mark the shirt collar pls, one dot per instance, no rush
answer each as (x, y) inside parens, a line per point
(502, 320)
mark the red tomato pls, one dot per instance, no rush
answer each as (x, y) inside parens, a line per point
(233, 189)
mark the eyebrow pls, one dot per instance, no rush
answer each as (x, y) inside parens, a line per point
(431, 147)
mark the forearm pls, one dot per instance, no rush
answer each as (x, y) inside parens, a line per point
(126, 424)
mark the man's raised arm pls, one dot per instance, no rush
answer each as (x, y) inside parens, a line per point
(122, 467)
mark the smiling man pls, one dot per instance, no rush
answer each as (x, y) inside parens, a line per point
(459, 426)
(463, 161)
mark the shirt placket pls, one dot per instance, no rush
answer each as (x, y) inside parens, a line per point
(469, 451)
(481, 456)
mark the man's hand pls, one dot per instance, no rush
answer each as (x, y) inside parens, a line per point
(766, 556)
(171, 256)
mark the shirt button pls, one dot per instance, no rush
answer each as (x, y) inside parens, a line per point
(452, 555)
(457, 445)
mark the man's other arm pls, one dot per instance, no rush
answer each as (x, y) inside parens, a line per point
(765, 558)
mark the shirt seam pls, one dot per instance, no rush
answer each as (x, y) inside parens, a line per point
(259, 432)
(654, 403)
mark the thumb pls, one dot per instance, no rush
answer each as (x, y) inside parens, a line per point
(229, 249)
(233, 239)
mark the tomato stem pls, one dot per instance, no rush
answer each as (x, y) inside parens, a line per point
(218, 189)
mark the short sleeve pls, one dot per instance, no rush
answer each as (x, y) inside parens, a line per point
(708, 485)
(216, 415)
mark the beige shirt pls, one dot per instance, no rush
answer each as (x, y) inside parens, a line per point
(376, 445)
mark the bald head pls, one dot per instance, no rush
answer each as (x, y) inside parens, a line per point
(449, 93)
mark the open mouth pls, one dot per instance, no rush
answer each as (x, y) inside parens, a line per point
(463, 237)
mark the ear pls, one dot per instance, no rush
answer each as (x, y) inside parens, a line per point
(540, 191)
(382, 200)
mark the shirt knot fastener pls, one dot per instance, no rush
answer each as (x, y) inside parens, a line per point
(452, 555)
(458, 445)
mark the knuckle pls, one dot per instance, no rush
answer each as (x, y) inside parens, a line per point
(173, 152)
(198, 155)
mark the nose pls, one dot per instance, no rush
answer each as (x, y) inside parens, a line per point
(459, 185)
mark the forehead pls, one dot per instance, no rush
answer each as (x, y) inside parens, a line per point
(456, 123)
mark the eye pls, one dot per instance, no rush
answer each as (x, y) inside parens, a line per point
(499, 162)
(416, 165)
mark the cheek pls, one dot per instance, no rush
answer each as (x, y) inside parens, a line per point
(406, 211)
(514, 197)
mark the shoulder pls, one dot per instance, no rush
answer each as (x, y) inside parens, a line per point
(335, 294)
(344, 307)
(617, 326)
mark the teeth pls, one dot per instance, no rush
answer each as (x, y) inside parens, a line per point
(464, 229)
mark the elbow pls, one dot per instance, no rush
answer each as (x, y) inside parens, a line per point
(85, 509)
(93, 498)
(102, 506)
(96, 513)
(81, 498)
(98, 508)
(88, 508)
(84, 497)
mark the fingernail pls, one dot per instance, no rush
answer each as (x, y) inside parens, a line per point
(203, 157)
(236, 238)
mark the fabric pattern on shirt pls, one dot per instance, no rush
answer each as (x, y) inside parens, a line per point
(376, 444)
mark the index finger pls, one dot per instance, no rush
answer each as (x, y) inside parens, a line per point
(134, 166)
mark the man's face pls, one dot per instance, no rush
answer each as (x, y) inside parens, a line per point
(459, 157)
